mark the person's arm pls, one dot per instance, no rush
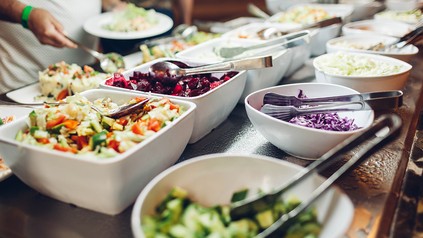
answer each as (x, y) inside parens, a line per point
(43, 25)
(110, 5)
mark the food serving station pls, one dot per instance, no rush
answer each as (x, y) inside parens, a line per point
(386, 190)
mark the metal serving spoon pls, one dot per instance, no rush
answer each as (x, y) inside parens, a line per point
(169, 70)
(181, 32)
(109, 62)
(118, 112)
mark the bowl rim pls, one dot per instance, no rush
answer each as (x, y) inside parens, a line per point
(146, 65)
(352, 38)
(137, 208)
(406, 69)
(314, 130)
(347, 9)
(95, 159)
(373, 22)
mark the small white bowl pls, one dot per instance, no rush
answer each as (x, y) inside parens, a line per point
(212, 179)
(403, 5)
(324, 34)
(382, 27)
(213, 107)
(103, 185)
(300, 141)
(256, 78)
(359, 44)
(401, 16)
(362, 83)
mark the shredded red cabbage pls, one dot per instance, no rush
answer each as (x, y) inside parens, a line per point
(324, 121)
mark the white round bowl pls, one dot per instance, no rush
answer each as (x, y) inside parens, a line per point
(382, 27)
(360, 44)
(300, 141)
(409, 17)
(212, 179)
(374, 82)
(403, 5)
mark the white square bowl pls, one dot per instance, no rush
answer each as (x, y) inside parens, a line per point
(256, 78)
(212, 179)
(323, 34)
(103, 185)
(369, 83)
(213, 107)
(301, 141)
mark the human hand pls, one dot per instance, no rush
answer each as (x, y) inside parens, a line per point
(48, 29)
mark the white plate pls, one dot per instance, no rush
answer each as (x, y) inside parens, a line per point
(95, 24)
(18, 113)
(25, 94)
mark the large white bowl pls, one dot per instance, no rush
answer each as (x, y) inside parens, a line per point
(103, 185)
(256, 78)
(300, 141)
(409, 17)
(212, 179)
(324, 34)
(403, 5)
(359, 44)
(213, 107)
(393, 81)
(382, 27)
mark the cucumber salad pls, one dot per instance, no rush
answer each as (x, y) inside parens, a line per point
(76, 128)
(179, 217)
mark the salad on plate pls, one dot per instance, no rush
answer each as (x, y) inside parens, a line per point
(132, 19)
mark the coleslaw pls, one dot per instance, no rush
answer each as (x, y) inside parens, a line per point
(345, 64)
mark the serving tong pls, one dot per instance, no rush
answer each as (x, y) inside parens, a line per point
(378, 134)
(118, 112)
(377, 100)
(410, 38)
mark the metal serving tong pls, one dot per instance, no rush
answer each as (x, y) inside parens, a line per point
(384, 129)
(118, 112)
(376, 100)
(289, 41)
(410, 38)
(285, 113)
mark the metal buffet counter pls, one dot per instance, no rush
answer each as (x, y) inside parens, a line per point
(387, 190)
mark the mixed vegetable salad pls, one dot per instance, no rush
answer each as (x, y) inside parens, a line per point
(3, 121)
(60, 80)
(76, 128)
(177, 45)
(179, 217)
(304, 14)
(133, 18)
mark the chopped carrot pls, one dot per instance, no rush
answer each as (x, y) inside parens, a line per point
(43, 140)
(114, 144)
(64, 149)
(154, 125)
(63, 94)
(70, 124)
(137, 128)
(54, 122)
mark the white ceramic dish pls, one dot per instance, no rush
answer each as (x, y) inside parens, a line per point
(383, 27)
(256, 78)
(360, 44)
(300, 141)
(402, 16)
(94, 26)
(103, 185)
(16, 112)
(326, 33)
(391, 81)
(27, 94)
(213, 107)
(403, 5)
(218, 176)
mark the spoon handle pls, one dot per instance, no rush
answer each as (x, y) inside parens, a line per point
(92, 52)
(243, 64)
(284, 40)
